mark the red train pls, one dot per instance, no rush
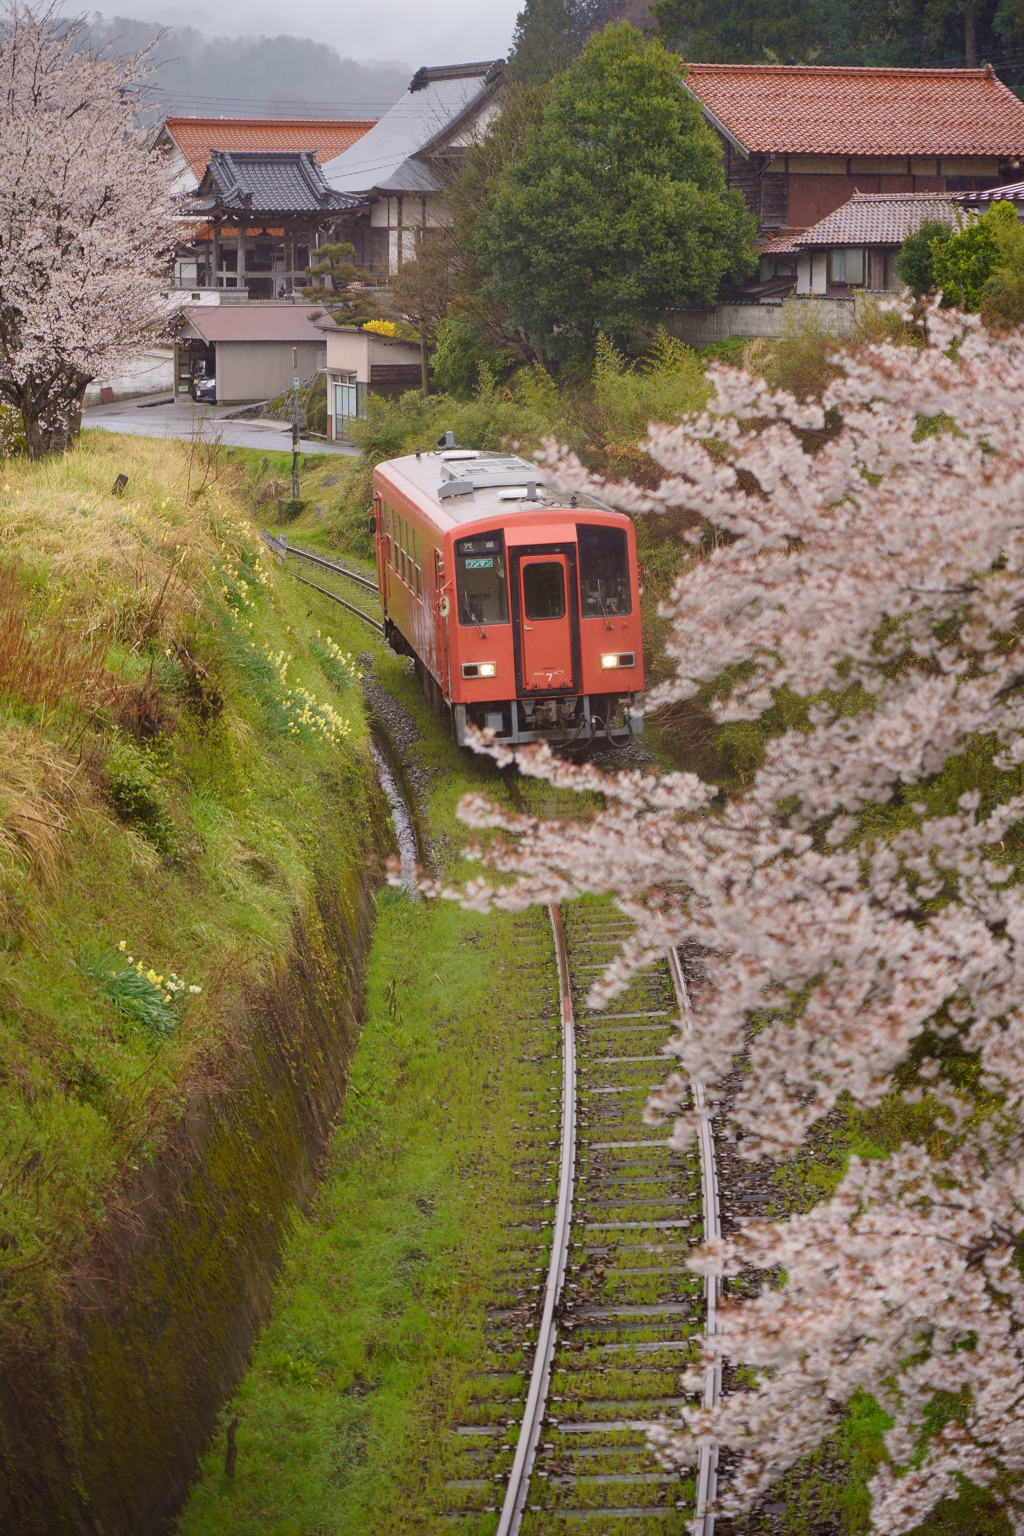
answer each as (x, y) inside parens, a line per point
(522, 612)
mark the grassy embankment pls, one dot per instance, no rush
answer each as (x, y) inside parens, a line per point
(183, 765)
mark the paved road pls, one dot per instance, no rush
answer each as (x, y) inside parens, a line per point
(159, 416)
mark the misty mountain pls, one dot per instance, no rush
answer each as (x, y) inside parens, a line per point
(253, 76)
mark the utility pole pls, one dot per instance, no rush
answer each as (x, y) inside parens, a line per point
(295, 423)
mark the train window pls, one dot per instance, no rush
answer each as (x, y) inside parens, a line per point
(416, 562)
(389, 518)
(403, 532)
(480, 580)
(544, 590)
(604, 570)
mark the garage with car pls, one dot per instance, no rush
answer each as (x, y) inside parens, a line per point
(237, 354)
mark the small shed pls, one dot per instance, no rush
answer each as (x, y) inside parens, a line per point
(247, 348)
(360, 363)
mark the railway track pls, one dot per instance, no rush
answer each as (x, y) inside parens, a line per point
(327, 570)
(599, 1315)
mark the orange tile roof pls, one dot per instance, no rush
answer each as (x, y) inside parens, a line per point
(812, 109)
(197, 137)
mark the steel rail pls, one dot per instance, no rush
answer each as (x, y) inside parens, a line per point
(331, 565)
(282, 550)
(540, 1375)
(707, 1466)
(707, 1470)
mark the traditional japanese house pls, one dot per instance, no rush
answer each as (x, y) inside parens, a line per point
(261, 213)
(399, 172)
(855, 247)
(800, 140)
(189, 142)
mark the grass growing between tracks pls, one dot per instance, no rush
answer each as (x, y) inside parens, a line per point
(348, 1404)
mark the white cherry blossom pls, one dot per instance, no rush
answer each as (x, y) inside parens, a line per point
(868, 552)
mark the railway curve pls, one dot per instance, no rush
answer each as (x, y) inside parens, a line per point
(327, 570)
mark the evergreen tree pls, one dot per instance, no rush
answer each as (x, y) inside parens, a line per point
(617, 205)
(549, 34)
(894, 32)
(542, 43)
(916, 260)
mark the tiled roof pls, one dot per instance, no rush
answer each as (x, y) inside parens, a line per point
(782, 244)
(198, 137)
(254, 322)
(266, 182)
(880, 218)
(812, 109)
(1014, 193)
(394, 155)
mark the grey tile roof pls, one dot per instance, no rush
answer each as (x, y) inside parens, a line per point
(880, 218)
(1014, 193)
(266, 181)
(388, 157)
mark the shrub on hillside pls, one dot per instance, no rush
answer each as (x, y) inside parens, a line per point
(459, 351)
(134, 790)
(915, 262)
(964, 263)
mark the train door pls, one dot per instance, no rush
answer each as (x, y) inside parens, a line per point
(380, 512)
(546, 619)
(442, 607)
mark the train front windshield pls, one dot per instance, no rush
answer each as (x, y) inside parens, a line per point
(480, 580)
(604, 570)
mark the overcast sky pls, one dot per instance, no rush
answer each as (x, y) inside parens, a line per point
(408, 30)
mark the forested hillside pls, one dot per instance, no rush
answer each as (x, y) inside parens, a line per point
(933, 33)
(255, 76)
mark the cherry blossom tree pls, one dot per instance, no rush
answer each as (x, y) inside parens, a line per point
(85, 225)
(867, 554)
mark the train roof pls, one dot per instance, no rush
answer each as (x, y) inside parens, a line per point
(468, 484)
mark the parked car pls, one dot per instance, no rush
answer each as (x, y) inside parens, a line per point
(204, 388)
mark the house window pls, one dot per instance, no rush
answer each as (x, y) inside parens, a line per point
(848, 266)
(345, 402)
(349, 401)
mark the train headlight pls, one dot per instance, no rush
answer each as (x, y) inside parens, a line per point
(618, 659)
(479, 669)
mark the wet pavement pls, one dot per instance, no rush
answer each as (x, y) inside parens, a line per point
(161, 416)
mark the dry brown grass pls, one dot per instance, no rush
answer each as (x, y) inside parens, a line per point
(40, 791)
(133, 567)
(43, 662)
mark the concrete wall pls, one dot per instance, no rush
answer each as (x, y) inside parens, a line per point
(150, 373)
(701, 327)
(259, 370)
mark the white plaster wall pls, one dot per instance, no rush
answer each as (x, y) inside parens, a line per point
(150, 373)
